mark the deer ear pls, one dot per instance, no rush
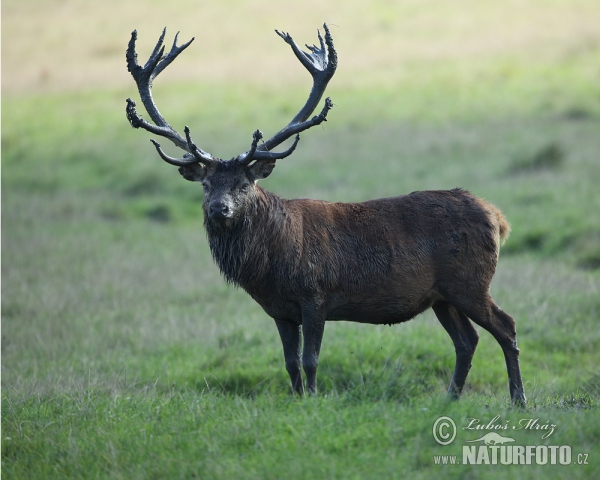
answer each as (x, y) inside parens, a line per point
(261, 168)
(194, 173)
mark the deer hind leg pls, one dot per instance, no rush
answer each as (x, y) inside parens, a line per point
(465, 338)
(501, 325)
(290, 339)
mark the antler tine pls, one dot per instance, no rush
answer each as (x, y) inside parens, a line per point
(264, 155)
(252, 154)
(143, 77)
(172, 55)
(187, 159)
(321, 63)
(200, 154)
(247, 157)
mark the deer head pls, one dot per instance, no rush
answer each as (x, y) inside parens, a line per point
(229, 185)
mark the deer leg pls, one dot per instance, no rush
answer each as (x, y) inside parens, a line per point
(290, 339)
(511, 355)
(465, 338)
(503, 328)
(313, 326)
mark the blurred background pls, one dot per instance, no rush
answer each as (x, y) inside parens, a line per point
(62, 45)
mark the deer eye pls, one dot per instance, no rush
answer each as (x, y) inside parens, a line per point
(206, 185)
(244, 186)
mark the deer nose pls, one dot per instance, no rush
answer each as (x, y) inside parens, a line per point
(219, 210)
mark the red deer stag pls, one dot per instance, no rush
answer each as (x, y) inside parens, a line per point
(307, 261)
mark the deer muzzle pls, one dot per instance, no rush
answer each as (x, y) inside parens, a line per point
(219, 210)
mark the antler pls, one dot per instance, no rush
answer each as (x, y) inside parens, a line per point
(321, 63)
(143, 77)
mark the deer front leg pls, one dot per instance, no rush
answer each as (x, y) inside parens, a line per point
(313, 325)
(290, 339)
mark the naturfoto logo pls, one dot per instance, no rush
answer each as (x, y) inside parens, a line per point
(494, 448)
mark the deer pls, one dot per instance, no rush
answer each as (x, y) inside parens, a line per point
(306, 261)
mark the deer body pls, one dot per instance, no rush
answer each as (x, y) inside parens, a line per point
(306, 261)
(380, 262)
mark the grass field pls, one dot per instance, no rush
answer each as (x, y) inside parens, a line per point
(126, 355)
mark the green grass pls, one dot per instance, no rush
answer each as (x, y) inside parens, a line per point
(185, 434)
(125, 354)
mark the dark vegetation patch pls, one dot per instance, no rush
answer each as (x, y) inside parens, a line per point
(148, 183)
(547, 157)
(535, 240)
(587, 248)
(582, 246)
(590, 261)
(578, 113)
(159, 214)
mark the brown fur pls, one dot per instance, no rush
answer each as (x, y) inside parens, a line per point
(380, 261)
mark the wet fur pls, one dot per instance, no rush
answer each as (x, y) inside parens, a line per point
(384, 257)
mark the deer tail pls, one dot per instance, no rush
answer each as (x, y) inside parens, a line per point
(503, 226)
(498, 220)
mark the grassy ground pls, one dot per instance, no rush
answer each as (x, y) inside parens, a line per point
(124, 353)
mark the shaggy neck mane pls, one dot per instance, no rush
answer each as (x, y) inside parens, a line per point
(242, 251)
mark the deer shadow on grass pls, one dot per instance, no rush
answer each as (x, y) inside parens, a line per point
(394, 381)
